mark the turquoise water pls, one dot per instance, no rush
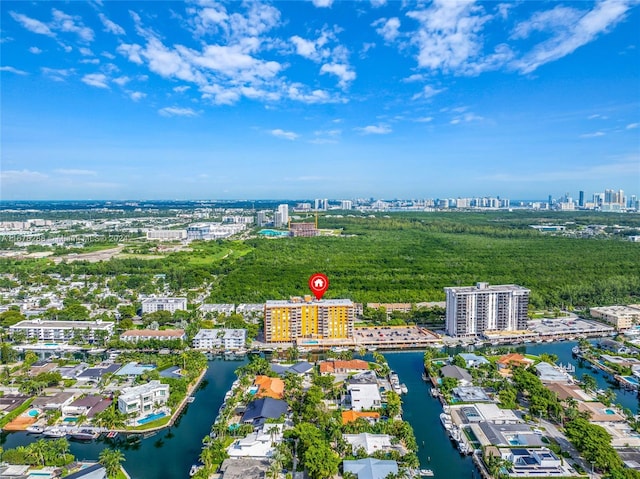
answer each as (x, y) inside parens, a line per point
(33, 412)
(631, 379)
(609, 411)
(151, 417)
(273, 233)
(70, 419)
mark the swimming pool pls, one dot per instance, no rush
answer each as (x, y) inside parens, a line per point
(151, 417)
(631, 380)
(609, 411)
(33, 413)
(273, 233)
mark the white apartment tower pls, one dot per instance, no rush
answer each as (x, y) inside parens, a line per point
(284, 214)
(472, 310)
(346, 205)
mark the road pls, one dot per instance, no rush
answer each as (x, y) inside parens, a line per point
(566, 445)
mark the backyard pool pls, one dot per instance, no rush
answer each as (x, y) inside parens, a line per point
(33, 413)
(151, 417)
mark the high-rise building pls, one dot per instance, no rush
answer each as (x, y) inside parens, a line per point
(261, 218)
(317, 204)
(472, 310)
(581, 200)
(286, 321)
(346, 205)
(284, 213)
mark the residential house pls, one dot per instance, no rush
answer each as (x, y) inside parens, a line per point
(135, 335)
(473, 360)
(244, 468)
(345, 367)
(258, 411)
(301, 368)
(364, 394)
(259, 443)
(369, 443)
(144, 399)
(351, 416)
(370, 468)
(269, 387)
(456, 372)
(86, 406)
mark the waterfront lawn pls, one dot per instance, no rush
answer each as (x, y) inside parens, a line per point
(163, 421)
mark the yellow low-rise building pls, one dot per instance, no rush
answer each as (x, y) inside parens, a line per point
(622, 317)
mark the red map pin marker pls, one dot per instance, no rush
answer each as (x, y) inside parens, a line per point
(318, 284)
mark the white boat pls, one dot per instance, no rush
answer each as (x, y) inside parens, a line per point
(54, 432)
(371, 348)
(445, 419)
(35, 429)
(404, 389)
(190, 399)
(426, 472)
(194, 468)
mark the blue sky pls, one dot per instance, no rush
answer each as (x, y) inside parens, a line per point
(297, 99)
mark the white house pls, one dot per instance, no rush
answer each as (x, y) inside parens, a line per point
(257, 444)
(364, 395)
(370, 443)
(144, 399)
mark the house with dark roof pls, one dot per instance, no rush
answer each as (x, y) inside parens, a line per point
(86, 406)
(97, 373)
(95, 471)
(258, 411)
(458, 373)
(300, 368)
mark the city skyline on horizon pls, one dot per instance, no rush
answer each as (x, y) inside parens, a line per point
(204, 99)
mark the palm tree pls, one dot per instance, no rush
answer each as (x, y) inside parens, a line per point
(111, 459)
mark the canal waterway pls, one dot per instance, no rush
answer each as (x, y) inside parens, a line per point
(170, 453)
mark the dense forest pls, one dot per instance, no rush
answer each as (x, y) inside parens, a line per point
(395, 258)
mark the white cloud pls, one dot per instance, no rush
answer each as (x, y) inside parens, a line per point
(31, 24)
(597, 116)
(296, 92)
(322, 3)
(424, 119)
(121, 81)
(287, 135)
(177, 111)
(132, 52)
(35, 50)
(97, 80)
(427, 92)
(448, 37)
(136, 95)
(595, 134)
(466, 118)
(631, 126)
(414, 78)
(67, 23)
(341, 71)
(110, 26)
(85, 52)
(378, 3)
(21, 176)
(570, 30)
(75, 172)
(12, 70)
(181, 89)
(379, 129)
(388, 28)
(305, 48)
(57, 74)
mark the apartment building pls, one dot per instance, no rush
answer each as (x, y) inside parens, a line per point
(144, 399)
(286, 321)
(621, 317)
(135, 335)
(472, 310)
(151, 305)
(60, 331)
(229, 339)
